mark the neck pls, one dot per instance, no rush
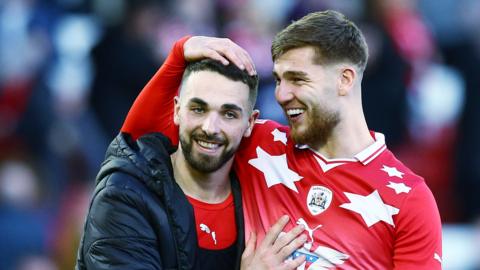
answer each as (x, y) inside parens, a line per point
(211, 187)
(348, 138)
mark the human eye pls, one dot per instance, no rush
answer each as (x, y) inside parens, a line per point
(277, 81)
(197, 110)
(297, 80)
(231, 115)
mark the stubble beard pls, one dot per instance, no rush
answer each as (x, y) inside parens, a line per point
(202, 162)
(318, 130)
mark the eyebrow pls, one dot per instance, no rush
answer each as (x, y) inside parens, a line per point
(231, 107)
(228, 106)
(198, 101)
(291, 74)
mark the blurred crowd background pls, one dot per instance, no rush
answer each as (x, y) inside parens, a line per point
(70, 69)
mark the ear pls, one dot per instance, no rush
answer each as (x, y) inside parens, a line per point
(176, 117)
(251, 122)
(347, 79)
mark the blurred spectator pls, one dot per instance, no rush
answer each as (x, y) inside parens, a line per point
(70, 69)
(24, 217)
(124, 60)
(457, 36)
(37, 263)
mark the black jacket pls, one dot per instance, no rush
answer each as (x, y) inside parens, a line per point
(139, 218)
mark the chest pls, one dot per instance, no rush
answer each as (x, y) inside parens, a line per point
(348, 209)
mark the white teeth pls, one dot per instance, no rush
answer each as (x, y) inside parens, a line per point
(295, 111)
(207, 144)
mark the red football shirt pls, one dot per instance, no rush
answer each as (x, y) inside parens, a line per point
(368, 212)
(215, 223)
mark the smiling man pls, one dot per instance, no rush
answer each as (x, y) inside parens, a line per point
(362, 208)
(157, 207)
(211, 131)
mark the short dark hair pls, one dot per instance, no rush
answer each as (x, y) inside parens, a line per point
(334, 37)
(231, 71)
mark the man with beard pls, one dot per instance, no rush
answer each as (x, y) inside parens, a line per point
(157, 207)
(375, 212)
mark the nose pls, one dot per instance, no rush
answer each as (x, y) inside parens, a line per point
(210, 124)
(283, 93)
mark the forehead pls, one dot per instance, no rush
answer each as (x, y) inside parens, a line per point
(215, 89)
(298, 59)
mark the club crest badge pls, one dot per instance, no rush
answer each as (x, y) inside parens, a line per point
(319, 199)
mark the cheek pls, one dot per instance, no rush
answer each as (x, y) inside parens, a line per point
(276, 92)
(235, 134)
(186, 126)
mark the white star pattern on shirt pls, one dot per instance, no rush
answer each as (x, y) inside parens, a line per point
(371, 208)
(392, 171)
(275, 169)
(399, 187)
(279, 136)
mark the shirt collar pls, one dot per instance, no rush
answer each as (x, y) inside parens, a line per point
(365, 156)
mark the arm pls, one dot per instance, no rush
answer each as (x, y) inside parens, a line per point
(153, 109)
(274, 250)
(419, 233)
(117, 233)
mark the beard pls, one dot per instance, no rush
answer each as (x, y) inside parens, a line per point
(317, 128)
(202, 162)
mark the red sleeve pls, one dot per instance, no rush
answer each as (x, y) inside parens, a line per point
(419, 233)
(153, 109)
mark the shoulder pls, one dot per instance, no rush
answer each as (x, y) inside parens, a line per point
(400, 186)
(122, 206)
(266, 131)
(404, 189)
(392, 169)
(120, 183)
(121, 193)
(123, 225)
(265, 125)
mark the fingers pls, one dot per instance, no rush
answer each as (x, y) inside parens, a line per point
(249, 64)
(243, 56)
(250, 247)
(246, 61)
(274, 231)
(293, 264)
(212, 54)
(288, 249)
(290, 241)
(231, 51)
(220, 49)
(275, 248)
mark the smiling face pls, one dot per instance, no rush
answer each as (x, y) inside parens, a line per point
(213, 114)
(308, 95)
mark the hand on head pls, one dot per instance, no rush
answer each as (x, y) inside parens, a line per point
(221, 49)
